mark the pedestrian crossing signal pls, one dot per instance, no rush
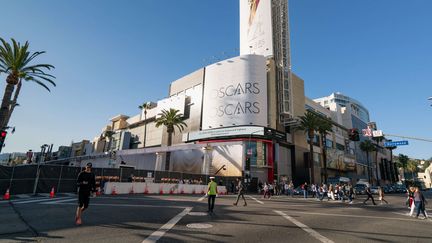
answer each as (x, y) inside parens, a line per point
(3, 134)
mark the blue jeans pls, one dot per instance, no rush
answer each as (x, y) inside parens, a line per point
(305, 193)
(419, 207)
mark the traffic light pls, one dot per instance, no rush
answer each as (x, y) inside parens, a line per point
(247, 167)
(353, 134)
(3, 134)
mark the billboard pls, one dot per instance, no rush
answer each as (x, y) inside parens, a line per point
(235, 93)
(256, 27)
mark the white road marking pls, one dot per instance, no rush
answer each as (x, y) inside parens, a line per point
(304, 227)
(358, 216)
(61, 201)
(258, 201)
(202, 198)
(199, 226)
(124, 205)
(38, 200)
(155, 236)
(197, 214)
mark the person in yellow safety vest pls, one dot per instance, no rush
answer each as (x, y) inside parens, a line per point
(211, 192)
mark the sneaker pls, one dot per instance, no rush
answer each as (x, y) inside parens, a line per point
(351, 202)
(78, 221)
(235, 204)
(244, 205)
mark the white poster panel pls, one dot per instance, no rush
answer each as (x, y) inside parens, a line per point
(256, 27)
(225, 132)
(235, 93)
(173, 102)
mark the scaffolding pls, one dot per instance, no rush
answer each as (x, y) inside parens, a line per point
(282, 58)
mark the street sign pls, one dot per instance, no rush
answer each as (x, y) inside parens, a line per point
(395, 143)
(377, 133)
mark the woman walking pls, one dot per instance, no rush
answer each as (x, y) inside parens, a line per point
(381, 195)
(331, 191)
(266, 190)
(419, 201)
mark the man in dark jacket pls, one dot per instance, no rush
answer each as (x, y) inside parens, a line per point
(86, 183)
(369, 195)
(241, 188)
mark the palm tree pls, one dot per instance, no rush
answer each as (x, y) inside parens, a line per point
(309, 123)
(412, 167)
(324, 128)
(403, 162)
(377, 140)
(145, 106)
(367, 146)
(170, 119)
(14, 62)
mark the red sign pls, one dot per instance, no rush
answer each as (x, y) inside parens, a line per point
(367, 132)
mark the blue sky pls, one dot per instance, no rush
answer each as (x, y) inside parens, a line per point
(111, 56)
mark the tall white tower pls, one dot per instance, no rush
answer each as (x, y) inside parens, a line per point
(264, 30)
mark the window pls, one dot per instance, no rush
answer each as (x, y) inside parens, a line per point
(329, 143)
(340, 147)
(257, 153)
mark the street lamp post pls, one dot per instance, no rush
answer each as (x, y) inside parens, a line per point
(43, 148)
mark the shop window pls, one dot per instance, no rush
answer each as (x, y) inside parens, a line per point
(257, 153)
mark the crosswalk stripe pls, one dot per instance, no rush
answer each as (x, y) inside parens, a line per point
(38, 200)
(60, 201)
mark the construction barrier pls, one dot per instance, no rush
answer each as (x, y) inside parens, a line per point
(156, 188)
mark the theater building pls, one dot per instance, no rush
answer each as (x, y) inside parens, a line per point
(238, 111)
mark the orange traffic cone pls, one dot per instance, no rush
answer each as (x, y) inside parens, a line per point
(171, 191)
(193, 191)
(52, 193)
(146, 190)
(98, 191)
(114, 191)
(6, 195)
(160, 191)
(182, 191)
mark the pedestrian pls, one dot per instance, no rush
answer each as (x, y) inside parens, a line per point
(369, 195)
(260, 187)
(241, 189)
(305, 190)
(350, 193)
(314, 190)
(86, 184)
(381, 195)
(324, 192)
(291, 188)
(211, 192)
(287, 189)
(331, 191)
(266, 190)
(420, 201)
(411, 200)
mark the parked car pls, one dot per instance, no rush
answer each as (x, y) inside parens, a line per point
(299, 191)
(360, 189)
(389, 189)
(399, 188)
(374, 189)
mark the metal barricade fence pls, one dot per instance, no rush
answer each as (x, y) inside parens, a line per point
(21, 179)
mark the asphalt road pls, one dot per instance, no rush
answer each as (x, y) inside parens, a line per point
(181, 218)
